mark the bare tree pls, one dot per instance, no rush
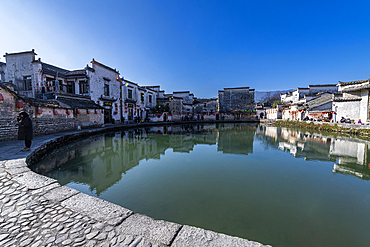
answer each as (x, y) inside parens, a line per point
(270, 98)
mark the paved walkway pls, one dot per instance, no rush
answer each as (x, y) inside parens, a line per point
(37, 211)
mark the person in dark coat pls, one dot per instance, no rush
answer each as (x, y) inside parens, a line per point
(25, 130)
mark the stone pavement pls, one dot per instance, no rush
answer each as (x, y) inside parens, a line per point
(37, 211)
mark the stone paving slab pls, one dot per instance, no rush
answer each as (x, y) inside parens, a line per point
(37, 211)
(60, 194)
(33, 180)
(96, 208)
(193, 236)
(158, 230)
(16, 163)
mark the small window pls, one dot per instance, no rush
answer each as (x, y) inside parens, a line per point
(27, 83)
(106, 89)
(129, 94)
(70, 87)
(150, 98)
(84, 87)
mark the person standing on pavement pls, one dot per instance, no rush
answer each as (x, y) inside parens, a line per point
(25, 130)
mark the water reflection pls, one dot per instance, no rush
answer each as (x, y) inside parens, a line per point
(239, 179)
(350, 155)
(101, 160)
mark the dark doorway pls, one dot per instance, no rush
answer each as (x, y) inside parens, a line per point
(130, 114)
(107, 115)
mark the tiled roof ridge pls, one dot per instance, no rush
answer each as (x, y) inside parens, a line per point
(104, 66)
(55, 68)
(353, 82)
(21, 53)
(323, 85)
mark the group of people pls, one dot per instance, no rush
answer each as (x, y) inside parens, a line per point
(25, 130)
(344, 120)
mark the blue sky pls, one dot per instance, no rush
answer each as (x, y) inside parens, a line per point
(198, 46)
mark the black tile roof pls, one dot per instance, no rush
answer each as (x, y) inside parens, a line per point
(63, 73)
(20, 53)
(60, 102)
(76, 72)
(353, 82)
(42, 102)
(79, 103)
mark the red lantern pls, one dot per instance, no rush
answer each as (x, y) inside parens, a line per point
(96, 111)
(55, 112)
(1, 98)
(20, 105)
(68, 112)
(102, 111)
(78, 111)
(87, 111)
(39, 111)
(115, 113)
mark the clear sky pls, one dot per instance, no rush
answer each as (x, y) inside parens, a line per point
(200, 46)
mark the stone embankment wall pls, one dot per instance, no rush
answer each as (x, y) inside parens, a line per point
(47, 119)
(343, 128)
(9, 130)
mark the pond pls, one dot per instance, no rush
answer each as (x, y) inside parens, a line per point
(277, 186)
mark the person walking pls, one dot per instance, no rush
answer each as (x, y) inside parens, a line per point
(25, 130)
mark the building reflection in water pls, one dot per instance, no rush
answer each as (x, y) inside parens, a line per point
(100, 161)
(349, 155)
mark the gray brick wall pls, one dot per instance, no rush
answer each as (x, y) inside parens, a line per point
(8, 129)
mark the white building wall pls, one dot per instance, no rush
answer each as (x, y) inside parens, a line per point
(295, 97)
(96, 85)
(154, 98)
(364, 104)
(186, 96)
(347, 109)
(273, 114)
(19, 65)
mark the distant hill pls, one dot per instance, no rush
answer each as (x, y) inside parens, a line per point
(259, 96)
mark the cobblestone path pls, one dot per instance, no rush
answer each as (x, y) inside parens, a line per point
(28, 219)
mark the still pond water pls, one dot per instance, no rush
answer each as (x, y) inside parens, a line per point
(277, 186)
